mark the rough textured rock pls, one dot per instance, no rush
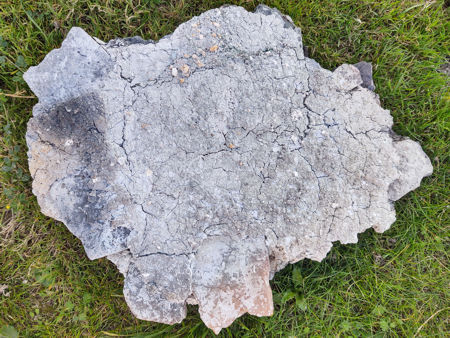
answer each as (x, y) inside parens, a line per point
(365, 70)
(205, 162)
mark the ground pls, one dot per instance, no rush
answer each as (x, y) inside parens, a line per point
(391, 284)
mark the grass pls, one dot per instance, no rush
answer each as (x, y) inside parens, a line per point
(392, 284)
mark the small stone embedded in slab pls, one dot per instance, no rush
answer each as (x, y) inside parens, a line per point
(205, 162)
(365, 69)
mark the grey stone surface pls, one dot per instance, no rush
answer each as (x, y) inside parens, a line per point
(365, 70)
(203, 163)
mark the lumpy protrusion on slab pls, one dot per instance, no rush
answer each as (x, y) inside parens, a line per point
(205, 162)
(230, 278)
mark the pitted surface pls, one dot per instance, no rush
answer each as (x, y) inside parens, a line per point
(204, 163)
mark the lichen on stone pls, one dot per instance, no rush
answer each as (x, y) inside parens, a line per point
(205, 162)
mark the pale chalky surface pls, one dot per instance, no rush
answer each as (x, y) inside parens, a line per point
(205, 162)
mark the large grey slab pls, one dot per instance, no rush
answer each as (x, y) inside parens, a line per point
(203, 163)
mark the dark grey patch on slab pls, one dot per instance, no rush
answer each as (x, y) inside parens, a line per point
(365, 69)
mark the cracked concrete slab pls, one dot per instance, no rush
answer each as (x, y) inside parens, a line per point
(203, 163)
